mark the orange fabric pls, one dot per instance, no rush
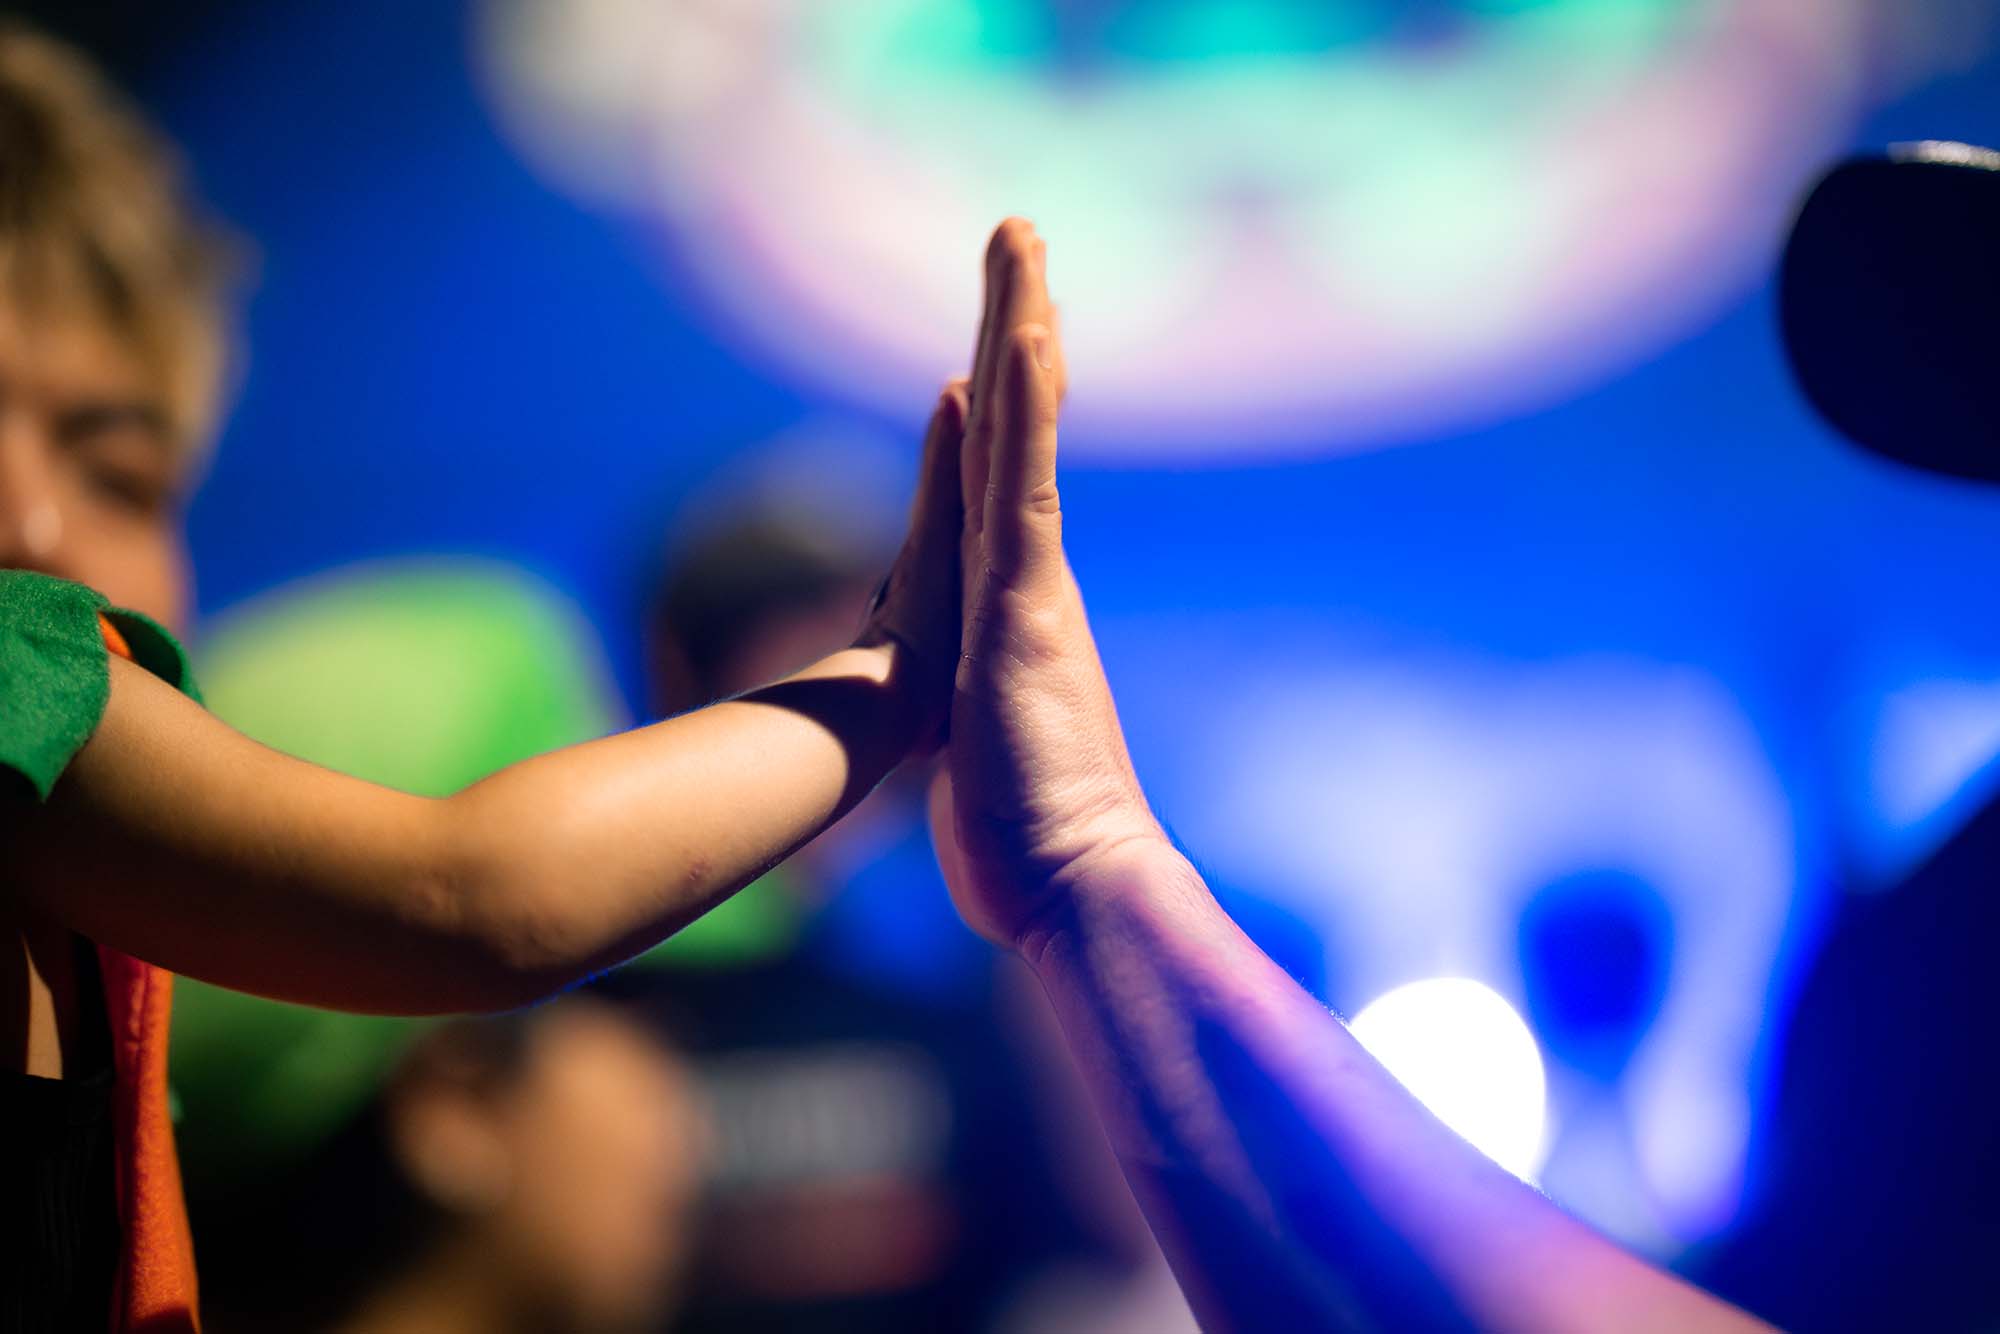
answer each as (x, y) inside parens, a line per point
(156, 1284)
(114, 638)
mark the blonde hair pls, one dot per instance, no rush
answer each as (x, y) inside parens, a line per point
(94, 211)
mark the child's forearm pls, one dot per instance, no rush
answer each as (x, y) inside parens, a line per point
(598, 851)
(174, 838)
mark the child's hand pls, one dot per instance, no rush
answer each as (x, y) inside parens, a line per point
(914, 617)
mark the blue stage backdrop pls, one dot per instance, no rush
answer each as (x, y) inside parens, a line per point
(1462, 558)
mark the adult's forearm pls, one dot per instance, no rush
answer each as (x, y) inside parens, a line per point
(1291, 1180)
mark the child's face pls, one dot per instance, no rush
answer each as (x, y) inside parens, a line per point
(90, 477)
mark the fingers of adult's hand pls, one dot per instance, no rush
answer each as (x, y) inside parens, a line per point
(1023, 526)
(1015, 295)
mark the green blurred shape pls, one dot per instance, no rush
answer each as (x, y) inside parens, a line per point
(423, 676)
(757, 923)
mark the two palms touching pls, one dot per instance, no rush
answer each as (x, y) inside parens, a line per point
(1037, 785)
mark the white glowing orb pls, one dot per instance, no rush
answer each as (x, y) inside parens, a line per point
(1468, 1057)
(1331, 241)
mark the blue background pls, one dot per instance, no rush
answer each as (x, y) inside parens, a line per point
(448, 356)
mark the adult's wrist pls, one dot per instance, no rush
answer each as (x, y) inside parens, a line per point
(1108, 890)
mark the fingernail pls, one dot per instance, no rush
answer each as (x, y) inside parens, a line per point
(1044, 352)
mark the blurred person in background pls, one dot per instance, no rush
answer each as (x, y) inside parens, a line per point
(768, 571)
(900, 1141)
(879, 1162)
(142, 835)
(533, 1173)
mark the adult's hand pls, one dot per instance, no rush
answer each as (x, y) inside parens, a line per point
(1038, 787)
(1292, 1182)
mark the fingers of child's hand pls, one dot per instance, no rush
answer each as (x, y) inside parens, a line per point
(990, 328)
(1023, 523)
(938, 508)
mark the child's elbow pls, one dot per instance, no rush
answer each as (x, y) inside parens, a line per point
(531, 953)
(514, 930)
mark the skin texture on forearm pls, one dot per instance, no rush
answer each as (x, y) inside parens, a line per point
(1293, 1183)
(178, 840)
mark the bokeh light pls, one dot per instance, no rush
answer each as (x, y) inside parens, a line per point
(1281, 226)
(1463, 1051)
(1667, 630)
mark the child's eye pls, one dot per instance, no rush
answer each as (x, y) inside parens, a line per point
(123, 457)
(131, 488)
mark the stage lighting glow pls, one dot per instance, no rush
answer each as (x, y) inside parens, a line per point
(1467, 1056)
(1275, 226)
(1931, 745)
(1410, 802)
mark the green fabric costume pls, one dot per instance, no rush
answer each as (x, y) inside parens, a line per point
(55, 677)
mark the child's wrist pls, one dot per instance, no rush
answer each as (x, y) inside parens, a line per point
(899, 717)
(875, 662)
(918, 685)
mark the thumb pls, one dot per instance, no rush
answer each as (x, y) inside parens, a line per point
(942, 809)
(1023, 522)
